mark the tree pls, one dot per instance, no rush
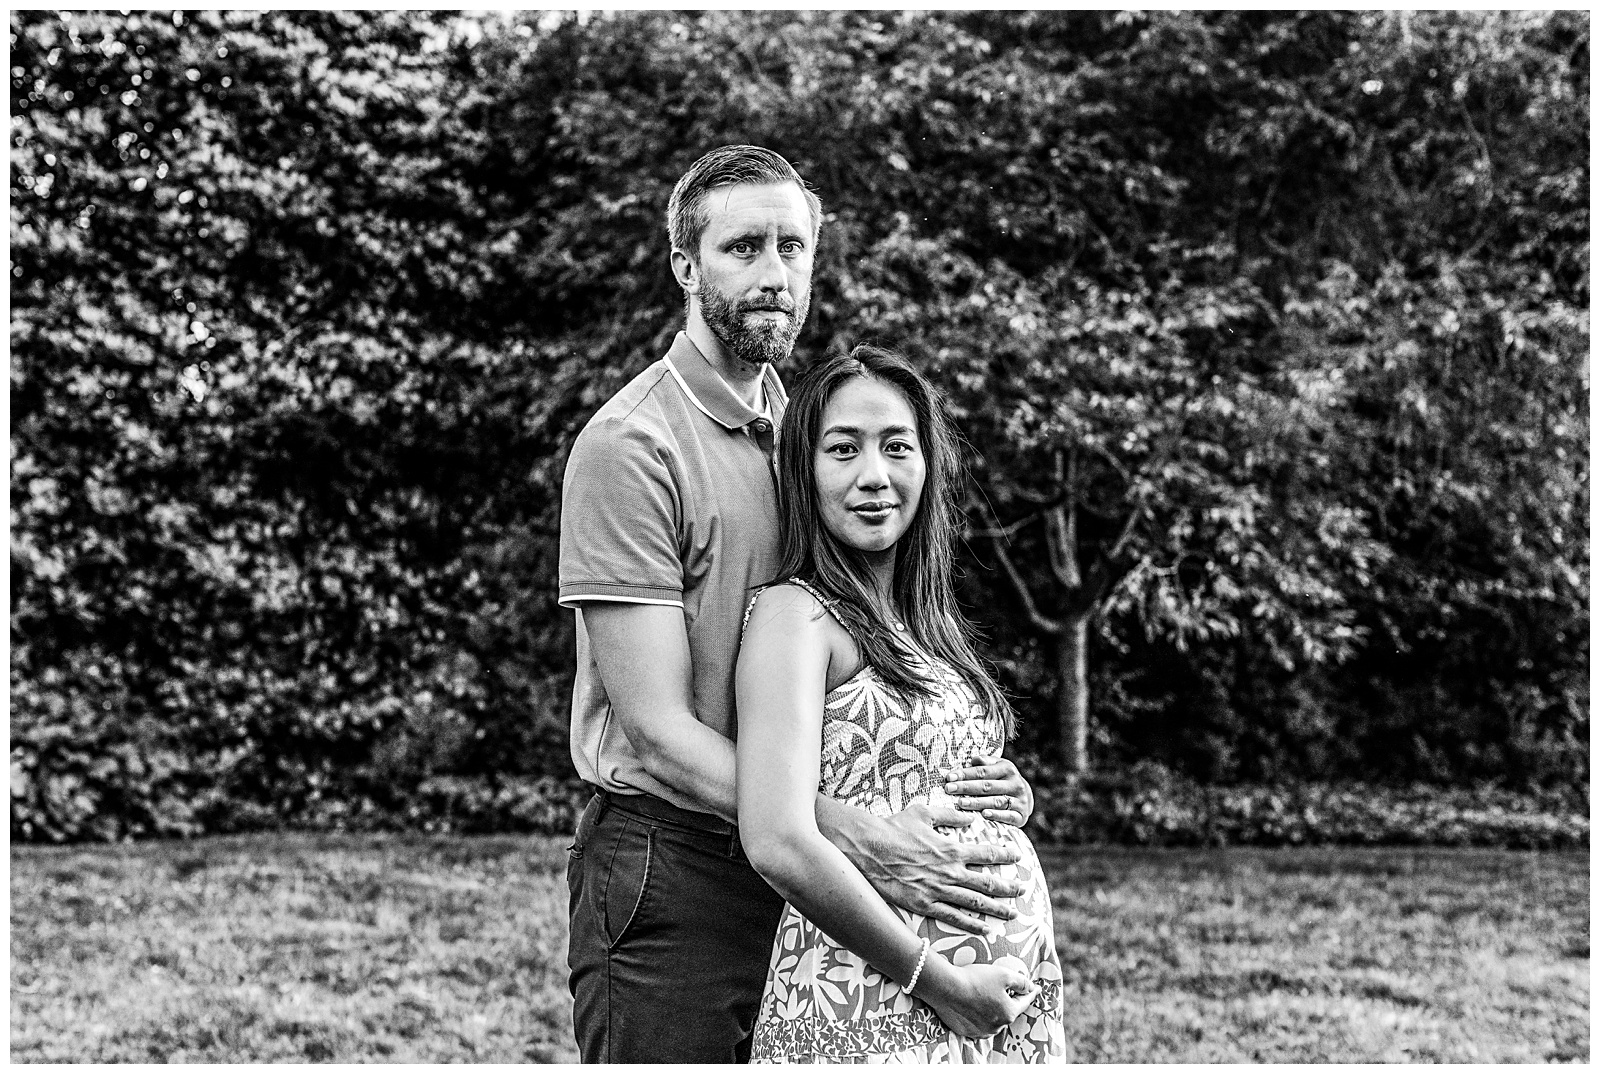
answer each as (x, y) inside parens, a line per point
(1162, 394)
(1116, 370)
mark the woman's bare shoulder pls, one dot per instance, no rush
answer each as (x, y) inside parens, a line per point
(799, 610)
(786, 605)
(796, 615)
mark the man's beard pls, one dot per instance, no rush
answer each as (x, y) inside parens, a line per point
(756, 344)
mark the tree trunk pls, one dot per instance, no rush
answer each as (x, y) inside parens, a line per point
(1072, 694)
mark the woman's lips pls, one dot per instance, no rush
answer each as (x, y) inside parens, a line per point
(873, 512)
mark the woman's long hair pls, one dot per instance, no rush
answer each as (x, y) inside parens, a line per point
(923, 591)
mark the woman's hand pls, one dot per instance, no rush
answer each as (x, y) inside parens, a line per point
(981, 999)
(994, 787)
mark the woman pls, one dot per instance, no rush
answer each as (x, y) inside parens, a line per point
(857, 675)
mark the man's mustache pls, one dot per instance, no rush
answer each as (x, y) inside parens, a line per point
(768, 307)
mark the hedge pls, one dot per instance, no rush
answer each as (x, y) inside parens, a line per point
(1150, 806)
(1153, 806)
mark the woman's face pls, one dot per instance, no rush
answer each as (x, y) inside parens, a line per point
(869, 465)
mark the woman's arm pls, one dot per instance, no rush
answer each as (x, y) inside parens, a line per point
(781, 683)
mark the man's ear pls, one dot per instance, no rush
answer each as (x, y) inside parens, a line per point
(686, 271)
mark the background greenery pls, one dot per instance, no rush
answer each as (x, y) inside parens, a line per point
(1269, 331)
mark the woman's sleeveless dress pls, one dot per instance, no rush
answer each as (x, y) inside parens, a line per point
(884, 753)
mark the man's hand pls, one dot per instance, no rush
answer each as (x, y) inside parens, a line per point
(915, 867)
(994, 787)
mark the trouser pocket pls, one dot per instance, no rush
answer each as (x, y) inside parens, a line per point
(626, 891)
(586, 825)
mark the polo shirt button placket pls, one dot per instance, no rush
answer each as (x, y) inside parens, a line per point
(761, 433)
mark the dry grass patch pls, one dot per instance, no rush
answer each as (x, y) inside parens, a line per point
(1392, 955)
(283, 948)
(432, 949)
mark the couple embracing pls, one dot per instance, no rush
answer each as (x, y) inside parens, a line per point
(804, 844)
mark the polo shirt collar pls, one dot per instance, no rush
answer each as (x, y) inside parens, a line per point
(710, 393)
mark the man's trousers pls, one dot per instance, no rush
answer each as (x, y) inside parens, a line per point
(671, 932)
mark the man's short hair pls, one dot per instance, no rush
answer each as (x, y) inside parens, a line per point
(686, 211)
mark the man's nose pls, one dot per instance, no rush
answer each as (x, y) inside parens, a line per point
(774, 275)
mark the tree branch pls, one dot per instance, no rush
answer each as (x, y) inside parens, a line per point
(1111, 461)
(1038, 619)
(1005, 531)
(1040, 498)
(1122, 538)
(1156, 461)
(1061, 535)
(1104, 573)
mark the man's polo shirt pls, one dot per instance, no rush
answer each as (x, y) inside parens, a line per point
(669, 498)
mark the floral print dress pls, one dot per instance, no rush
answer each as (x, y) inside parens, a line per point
(884, 753)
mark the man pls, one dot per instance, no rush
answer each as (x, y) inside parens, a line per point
(669, 519)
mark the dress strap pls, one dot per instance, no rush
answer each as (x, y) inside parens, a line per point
(826, 602)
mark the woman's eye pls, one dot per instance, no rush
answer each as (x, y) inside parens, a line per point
(898, 447)
(841, 449)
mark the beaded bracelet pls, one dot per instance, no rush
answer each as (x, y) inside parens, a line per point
(916, 973)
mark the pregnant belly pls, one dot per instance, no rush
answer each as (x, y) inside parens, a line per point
(1027, 937)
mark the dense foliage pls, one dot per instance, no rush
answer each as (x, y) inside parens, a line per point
(1269, 331)
(1154, 806)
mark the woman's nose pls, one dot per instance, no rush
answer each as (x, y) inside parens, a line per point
(873, 473)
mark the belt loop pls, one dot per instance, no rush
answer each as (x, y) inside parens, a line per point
(734, 849)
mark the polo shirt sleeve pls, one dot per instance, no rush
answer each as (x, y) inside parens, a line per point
(619, 519)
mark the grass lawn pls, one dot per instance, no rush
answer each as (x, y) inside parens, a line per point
(433, 949)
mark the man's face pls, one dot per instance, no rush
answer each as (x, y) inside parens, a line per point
(754, 276)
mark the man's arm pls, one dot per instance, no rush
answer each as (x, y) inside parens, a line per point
(642, 651)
